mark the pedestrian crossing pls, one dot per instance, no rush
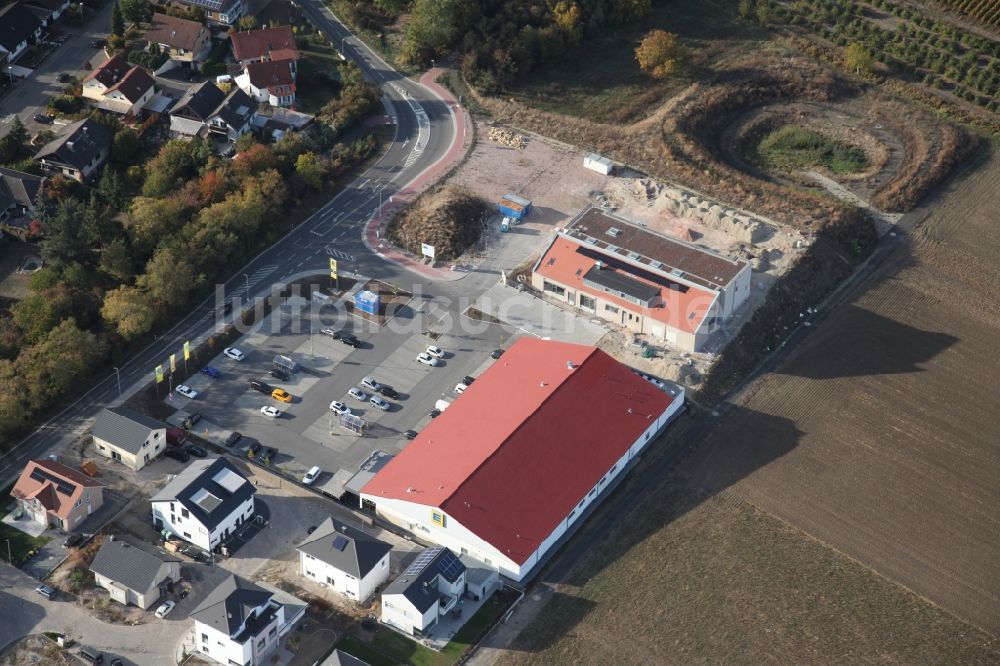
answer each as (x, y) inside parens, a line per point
(339, 254)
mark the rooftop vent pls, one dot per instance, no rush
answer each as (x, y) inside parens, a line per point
(654, 264)
(569, 366)
(589, 240)
(612, 248)
(633, 255)
(598, 265)
(678, 272)
(614, 232)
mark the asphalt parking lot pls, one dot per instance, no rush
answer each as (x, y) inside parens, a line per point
(307, 433)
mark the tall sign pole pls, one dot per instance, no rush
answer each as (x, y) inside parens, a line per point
(333, 273)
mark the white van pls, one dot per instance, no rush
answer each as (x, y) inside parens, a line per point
(442, 405)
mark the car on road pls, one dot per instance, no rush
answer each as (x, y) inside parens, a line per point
(177, 454)
(233, 438)
(410, 434)
(311, 476)
(164, 609)
(278, 373)
(379, 403)
(187, 391)
(350, 340)
(97, 43)
(388, 392)
(267, 455)
(73, 540)
(270, 411)
(42, 118)
(62, 77)
(496, 353)
(211, 372)
(45, 591)
(234, 353)
(426, 359)
(340, 408)
(370, 383)
(358, 394)
(196, 451)
(263, 387)
(254, 448)
(331, 332)
(281, 394)
(436, 352)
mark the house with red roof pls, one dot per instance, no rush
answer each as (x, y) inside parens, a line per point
(510, 468)
(668, 289)
(264, 45)
(54, 495)
(272, 81)
(119, 87)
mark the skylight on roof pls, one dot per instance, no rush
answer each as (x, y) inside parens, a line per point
(340, 542)
(206, 500)
(614, 232)
(229, 480)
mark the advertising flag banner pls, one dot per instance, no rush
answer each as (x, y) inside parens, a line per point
(159, 374)
(173, 363)
(187, 349)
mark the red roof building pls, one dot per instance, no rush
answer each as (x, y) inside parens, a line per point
(53, 494)
(264, 44)
(508, 468)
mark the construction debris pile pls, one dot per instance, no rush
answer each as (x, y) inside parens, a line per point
(506, 137)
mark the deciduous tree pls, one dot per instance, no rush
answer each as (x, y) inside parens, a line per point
(129, 311)
(569, 20)
(857, 58)
(169, 278)
(117, 21)
(311, 169)
(116, 261)
(136, 11)
(661, 55)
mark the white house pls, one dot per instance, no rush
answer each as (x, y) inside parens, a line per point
(119, 87)
(133, 572)
(429, 589)
(346, 559)
(272, 81)
(131, 438)
(19, 28)
(239, 622)
(506, 485)
(205, 503)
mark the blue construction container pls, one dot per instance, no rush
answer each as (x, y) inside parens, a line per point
(514, 206)
(367, 301)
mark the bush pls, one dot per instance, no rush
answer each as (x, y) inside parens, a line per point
(66, 104)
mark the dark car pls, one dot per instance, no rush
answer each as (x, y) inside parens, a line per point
(73, 540)
(177, 454)
(312, 528)
(267, 455)
(278, 373)
(410, 434)
(42, 118)
(435, 413)
(388, 392)
(97, 43)
(350, 340)
(468, 379)
(62, 77)
(263, 387)
(497, 353)
(253, 448)
(211, 372)
(191, 420)
(196, 450)
(233, 438)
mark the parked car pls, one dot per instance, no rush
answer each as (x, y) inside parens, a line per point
(192, 419)
(263, 387)
(73, 540)
(196, 451)
(45, 591)
(340, 408)
(234, 353)
(278, 373)
(97, 43)
(379, 403)
(164, 609)
(177, 454)
(62, 77)
(254, 448)
(332, 333)
(388, 392)
(42, 118)
(269, 411)
(435, 413)
(175, 436)
(281, 394)
(211, 372)
(267, 455)
(410, 434)
(358, 394)
(497, 353)
(311, 476)
(436, 352)
(187, 391)
(350, 340)
(460, 388)
(370, 383)
(468, 379)
(233, 438)
(426, 359)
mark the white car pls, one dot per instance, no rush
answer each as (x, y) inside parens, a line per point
(234, 353)
(358, 394)
(340, 408)
(460, 388)
(187, 391)
(427, 359)
(370, 383)
(437, 352)
(379, 403)
(165, 608)
(270, 411)
(329, 331)
(311, 476)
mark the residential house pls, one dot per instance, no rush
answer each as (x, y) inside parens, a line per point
(239, 622)
(278, 121)
(186, 42)
(206, 109)
(55, 8)
(133, 572)
(429, 589)
(18, 196)
(205, 503)
(346, 559)
(19, 28)
(131, 438)
(265, 45)
(119, 87)
(54, 495)
(219, 12)
(271, 81)
(340, 658)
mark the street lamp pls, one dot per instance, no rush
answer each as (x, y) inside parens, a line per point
(119, 376)
(81, 12)
(247, 277)
(10, 558)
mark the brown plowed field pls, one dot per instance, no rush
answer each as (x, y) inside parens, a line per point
(896, 400)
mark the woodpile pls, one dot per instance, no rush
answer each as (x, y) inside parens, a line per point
(506, 137)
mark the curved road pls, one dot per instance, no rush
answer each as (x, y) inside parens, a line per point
(425, 130)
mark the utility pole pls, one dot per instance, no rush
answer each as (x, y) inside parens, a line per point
(10, 558)
(119, 376)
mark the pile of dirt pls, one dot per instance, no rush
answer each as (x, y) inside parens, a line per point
(448, 218)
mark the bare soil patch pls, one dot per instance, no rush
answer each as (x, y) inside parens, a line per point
(448, 218)
(13, 252)
(37, 649)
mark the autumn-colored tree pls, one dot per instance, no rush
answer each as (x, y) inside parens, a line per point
(569, 20)
(129, 311)
(169, 278)
(211, 187)
(254, 160)
(116, 261)
(661, 54)
(311, 169)
(857, 58)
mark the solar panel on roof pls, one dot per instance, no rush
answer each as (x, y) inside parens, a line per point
(449, 565)
(61, 486)
(423, 559)
(340, 542)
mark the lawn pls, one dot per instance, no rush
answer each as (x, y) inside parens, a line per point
(22, 546)
(791, 148)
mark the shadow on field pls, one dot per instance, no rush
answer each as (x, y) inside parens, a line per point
(876, 345)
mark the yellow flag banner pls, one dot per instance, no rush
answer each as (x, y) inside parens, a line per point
(173, 363)
(187, 349)
(159, 374)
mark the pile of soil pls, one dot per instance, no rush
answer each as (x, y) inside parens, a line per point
(447, 217)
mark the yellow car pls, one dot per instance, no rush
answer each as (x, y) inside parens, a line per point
(282, 395)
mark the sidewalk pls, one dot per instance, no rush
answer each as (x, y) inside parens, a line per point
(374, 234)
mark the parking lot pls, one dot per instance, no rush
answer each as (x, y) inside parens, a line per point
(307, 432)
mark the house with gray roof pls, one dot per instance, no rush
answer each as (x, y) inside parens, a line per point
(78, 152)
(133, 572)
(18, 196)
(345, 559)
(207, 110)
(340, 658)
(131, 438)
(19, 28)
(429, 589)
(239, 622)
(205, 504)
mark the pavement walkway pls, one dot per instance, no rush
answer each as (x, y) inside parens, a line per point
(374, 234)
